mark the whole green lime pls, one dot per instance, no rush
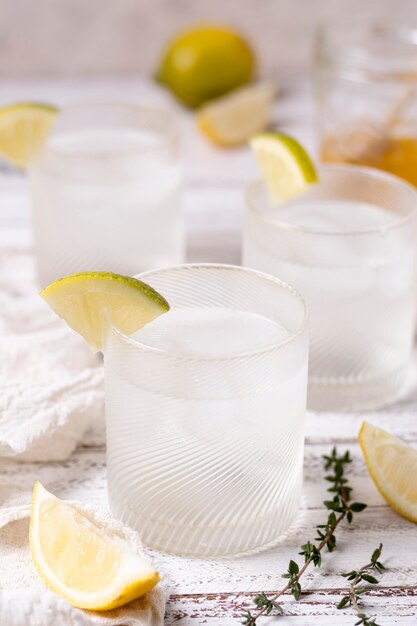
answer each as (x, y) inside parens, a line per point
(204, 63)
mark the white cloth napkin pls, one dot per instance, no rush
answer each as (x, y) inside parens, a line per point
(24, 600)
(51, 383)
(51, 399)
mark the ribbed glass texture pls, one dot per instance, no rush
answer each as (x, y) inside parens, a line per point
(106, 192)
(205, 431)
(352, 256)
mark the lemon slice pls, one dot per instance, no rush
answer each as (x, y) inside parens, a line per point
(285, 166)
(232, 119)
(23, 129)
(89, 567)
(90, 301)
(392, 465)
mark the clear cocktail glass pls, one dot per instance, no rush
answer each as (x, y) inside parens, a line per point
(349, 246)
(106, 192)
(205, 412)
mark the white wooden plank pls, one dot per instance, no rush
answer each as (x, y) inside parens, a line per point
(261, 571)
(194, 619)
(393, 606)
(399, 419)
(86, 467)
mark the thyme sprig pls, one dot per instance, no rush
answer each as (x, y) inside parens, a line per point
(340, 507)
(355, 577)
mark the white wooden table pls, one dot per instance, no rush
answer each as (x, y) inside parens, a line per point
(217, 592)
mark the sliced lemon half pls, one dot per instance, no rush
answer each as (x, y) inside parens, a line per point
(89, 567)
(230, 120)
(23, 129)
(392, 465)
(286, 168)
(90, 301)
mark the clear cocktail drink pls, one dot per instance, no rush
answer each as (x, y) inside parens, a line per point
(349, 246)
(205, 410)
(106, 192)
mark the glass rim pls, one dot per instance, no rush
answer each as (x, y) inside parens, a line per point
(339, 38)
(165, 137)
(240, 356)
(355, 169)
(379, 27)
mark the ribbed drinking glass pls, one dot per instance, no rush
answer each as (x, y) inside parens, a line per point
(205, 412)
(349, 246)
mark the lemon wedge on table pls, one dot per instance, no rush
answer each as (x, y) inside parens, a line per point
(392, 465)
(23, 129)
(89, 301)
(286, 167)
(81, 562)
(230, 120)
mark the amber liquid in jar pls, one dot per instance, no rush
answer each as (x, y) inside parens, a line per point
(398, 156)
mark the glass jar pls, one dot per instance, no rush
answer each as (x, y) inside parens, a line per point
(366, 96)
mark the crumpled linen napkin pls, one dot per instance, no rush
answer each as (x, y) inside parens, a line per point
(24, 600)
(51, 398)
(51, 383)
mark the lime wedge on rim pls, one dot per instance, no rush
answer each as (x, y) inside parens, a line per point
(90, 301)
(23, 129)
(286, 168)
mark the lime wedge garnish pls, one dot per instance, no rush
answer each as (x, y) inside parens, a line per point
(90, 301)
(23, 129)
(286, 168)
